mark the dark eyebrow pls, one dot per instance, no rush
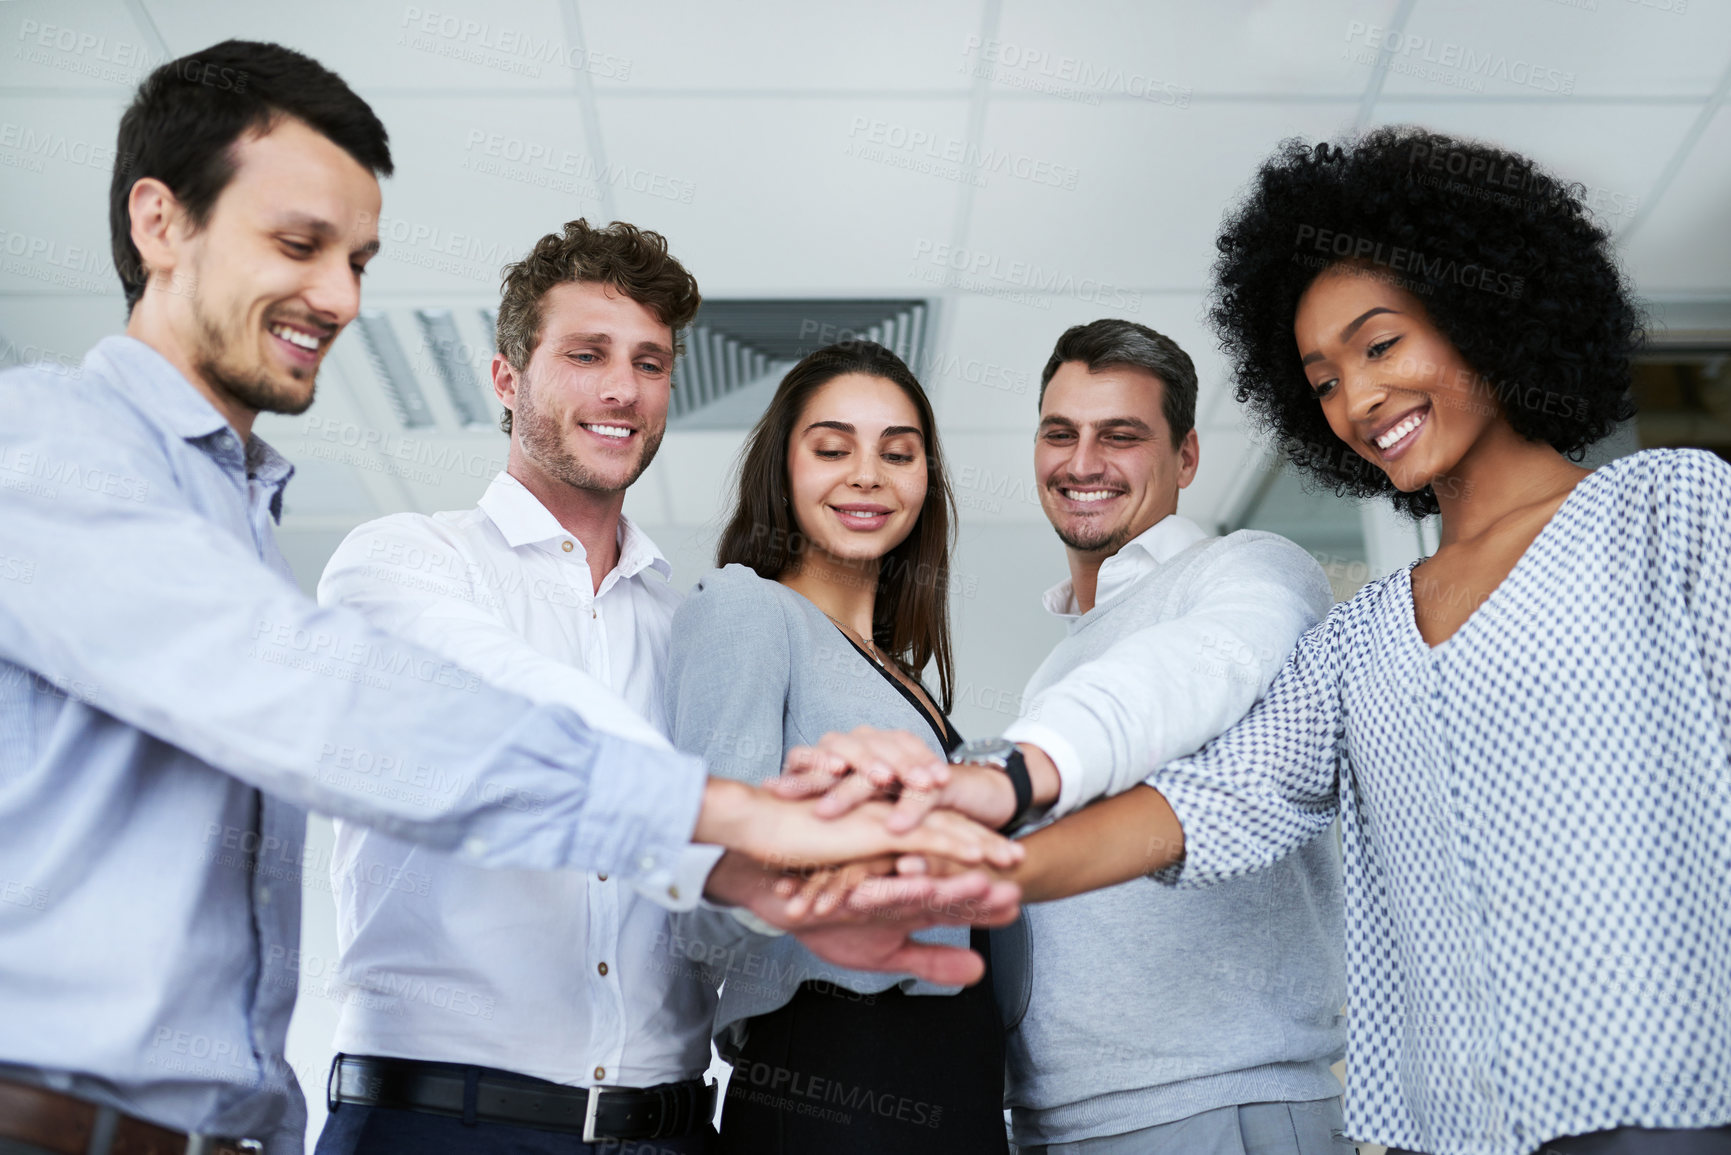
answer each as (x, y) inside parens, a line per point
(1346, 333)
(1135, 423)
(1351, 328)
(844, 427)
(322, 229)
(654, 347)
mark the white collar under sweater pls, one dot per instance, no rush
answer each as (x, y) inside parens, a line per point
(1154, 546)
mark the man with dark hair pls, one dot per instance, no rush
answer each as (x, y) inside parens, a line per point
(169, 702)
(1145, 1020)
(545, 589)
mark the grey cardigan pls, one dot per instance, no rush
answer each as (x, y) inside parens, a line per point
(753, 670)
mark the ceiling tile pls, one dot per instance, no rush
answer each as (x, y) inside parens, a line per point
(1685, 245)
(1554, 49)
(890, 46)
(478, 181)
(441, 45)
(791, 196)
(93, 45)
(1143, 192)
(1166, 53)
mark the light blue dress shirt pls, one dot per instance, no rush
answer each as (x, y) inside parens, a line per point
(169, 702)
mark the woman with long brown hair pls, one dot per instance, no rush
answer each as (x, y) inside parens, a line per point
(830, 600)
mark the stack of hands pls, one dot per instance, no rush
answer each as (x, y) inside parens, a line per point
(866, 838)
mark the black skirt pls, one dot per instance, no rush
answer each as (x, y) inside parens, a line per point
(835, 1072)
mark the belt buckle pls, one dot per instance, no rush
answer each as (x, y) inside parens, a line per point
(589, 1113)
(197, 1144)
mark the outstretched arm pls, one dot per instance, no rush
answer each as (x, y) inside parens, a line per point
(1123, 837)
(1157, 695)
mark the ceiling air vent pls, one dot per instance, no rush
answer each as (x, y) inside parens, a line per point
(451, 357)
(736, 351)
(394, 374)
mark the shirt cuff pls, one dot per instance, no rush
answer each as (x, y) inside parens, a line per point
(1064, 758)
(754, 924)
(744, 918)
(680, 887)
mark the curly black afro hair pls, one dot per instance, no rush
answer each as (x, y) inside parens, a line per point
(1509, 264)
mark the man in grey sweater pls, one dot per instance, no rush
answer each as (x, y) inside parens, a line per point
(1146, 1019)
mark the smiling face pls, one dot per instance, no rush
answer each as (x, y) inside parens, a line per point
(1104, 456)
(1392, 387)
(590, 408)
(258, 294)
(856, 467)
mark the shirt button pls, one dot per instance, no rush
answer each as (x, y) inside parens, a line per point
(600, 1072)
(602, 968)
(566, 546)
(646, 862)
(263, 895)
(602, 877)
(673, 893)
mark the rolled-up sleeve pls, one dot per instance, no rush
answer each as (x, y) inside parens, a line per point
(1163, 691)
(1270, 783)
(142, 608)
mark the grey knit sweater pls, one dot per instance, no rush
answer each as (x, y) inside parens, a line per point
(1142, 1004)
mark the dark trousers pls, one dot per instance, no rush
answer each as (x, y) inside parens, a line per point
(1634, 1141)
(353, 1129)
(839, 1073)
(359, 1129)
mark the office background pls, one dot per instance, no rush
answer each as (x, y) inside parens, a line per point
(961, 179)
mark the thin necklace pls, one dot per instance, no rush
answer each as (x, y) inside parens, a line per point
(871, 650)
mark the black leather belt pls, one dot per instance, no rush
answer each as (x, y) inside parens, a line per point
(481, 1094)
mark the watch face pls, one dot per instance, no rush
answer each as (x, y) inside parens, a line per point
(985, 749)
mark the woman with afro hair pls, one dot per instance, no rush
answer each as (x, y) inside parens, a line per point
(1526, 737)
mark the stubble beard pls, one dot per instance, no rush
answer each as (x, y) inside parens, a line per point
(543, 441)
(250, 385)
(1094, 540)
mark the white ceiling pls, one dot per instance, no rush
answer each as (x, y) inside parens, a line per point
(762, 139)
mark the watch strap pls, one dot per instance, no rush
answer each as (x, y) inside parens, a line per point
(1016, 767)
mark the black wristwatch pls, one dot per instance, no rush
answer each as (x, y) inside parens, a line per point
(1001, 754)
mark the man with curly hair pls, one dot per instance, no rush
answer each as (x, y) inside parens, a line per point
(535, 988)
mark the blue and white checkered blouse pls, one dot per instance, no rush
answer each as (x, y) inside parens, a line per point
(1536, 817)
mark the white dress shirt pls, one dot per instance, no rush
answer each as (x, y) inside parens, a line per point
(1235, 604)
(549, 974)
